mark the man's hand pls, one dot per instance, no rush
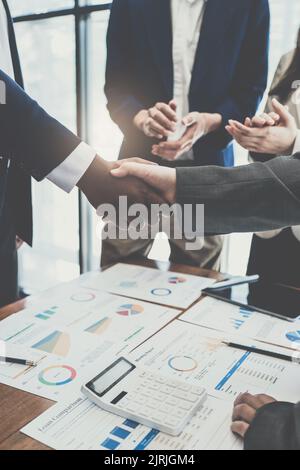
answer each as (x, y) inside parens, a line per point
(157, 122)
(198, 125)
(245, 409)
(101, 187)
(161, 179)
(274, 134)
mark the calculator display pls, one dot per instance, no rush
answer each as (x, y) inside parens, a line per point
(111, 377)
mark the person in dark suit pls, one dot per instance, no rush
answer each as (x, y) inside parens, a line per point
(32, 143)
(256, 197)
(185, 66)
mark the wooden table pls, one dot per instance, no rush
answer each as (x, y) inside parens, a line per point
(18, 408)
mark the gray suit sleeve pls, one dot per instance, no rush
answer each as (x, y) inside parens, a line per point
(250, 198)
(275, 427)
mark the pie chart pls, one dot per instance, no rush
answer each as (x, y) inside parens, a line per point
(56, 376)
(130, 310)
(294, 336)
(176, 280)
(83, 297)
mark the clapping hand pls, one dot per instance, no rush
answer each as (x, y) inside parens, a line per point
(273, 133)
(197, 125)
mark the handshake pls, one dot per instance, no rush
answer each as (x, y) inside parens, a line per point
(148, 183)
(140, 181)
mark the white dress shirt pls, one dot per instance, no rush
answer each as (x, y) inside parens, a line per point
(187, 18)
(71, 170)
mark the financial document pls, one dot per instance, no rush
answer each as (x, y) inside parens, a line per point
(222, 316)
(78, 424)
(197, 355)
(69, 337)
(165, 288)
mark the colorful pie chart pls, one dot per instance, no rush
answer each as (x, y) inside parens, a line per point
(130, 310)
(176, 280)
(57, 376)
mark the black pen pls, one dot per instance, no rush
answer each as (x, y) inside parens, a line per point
(22, 362)
(263, 352)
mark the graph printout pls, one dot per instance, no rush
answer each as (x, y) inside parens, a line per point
(69, 336)
(165, 288)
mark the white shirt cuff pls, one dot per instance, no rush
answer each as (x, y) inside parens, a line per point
(71, 170)
(297, 144)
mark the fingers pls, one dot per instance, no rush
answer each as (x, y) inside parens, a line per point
(119, 163)
(256, 401)
(243, 413)
(282, 111)
(153, 129)
(240, 428)
(173, 105)
(163, 115)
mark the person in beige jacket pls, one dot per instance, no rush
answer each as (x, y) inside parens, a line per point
(275, 255)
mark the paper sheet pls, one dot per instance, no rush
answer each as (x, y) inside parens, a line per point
(79, 425)
(197, 355)
(165, 288)
(68, 338)
(222, 316)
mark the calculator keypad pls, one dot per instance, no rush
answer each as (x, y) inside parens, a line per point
(161, 400)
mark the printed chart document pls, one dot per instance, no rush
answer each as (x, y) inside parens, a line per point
(197, 355)
(68, 338)
(78, 424)
(165, 288)
(222, 316)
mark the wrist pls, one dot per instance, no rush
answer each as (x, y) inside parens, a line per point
(294, 144)
(214, 122)
(140, 119)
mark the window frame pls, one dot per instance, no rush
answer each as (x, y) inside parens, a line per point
(80, 13)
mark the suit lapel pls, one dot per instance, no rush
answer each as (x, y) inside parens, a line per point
(215, 23)
(159, 27)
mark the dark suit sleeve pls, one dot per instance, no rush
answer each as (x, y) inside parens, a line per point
(119, 87)
(35, 141)
(276, 427)
(250, 80)
(250, 198)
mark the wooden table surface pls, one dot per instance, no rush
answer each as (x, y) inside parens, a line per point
(18, 408)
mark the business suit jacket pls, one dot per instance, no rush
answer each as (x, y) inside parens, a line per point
(229, 77)
(250, 198)
(33, 141)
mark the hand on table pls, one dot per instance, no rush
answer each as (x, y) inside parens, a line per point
(273, 133)
(158, 122)
(245, 409)
(197, 125)
(161, 179)
(101, 187)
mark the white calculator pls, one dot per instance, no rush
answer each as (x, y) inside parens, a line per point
(149, 398)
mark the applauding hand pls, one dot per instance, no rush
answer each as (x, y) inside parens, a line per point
(158, 122)
(197, 125)
(273, 133)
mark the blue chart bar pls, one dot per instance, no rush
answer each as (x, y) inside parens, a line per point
(120, 432)
(146, 441)
(232, 371)
(110, 444)
(131, 424)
